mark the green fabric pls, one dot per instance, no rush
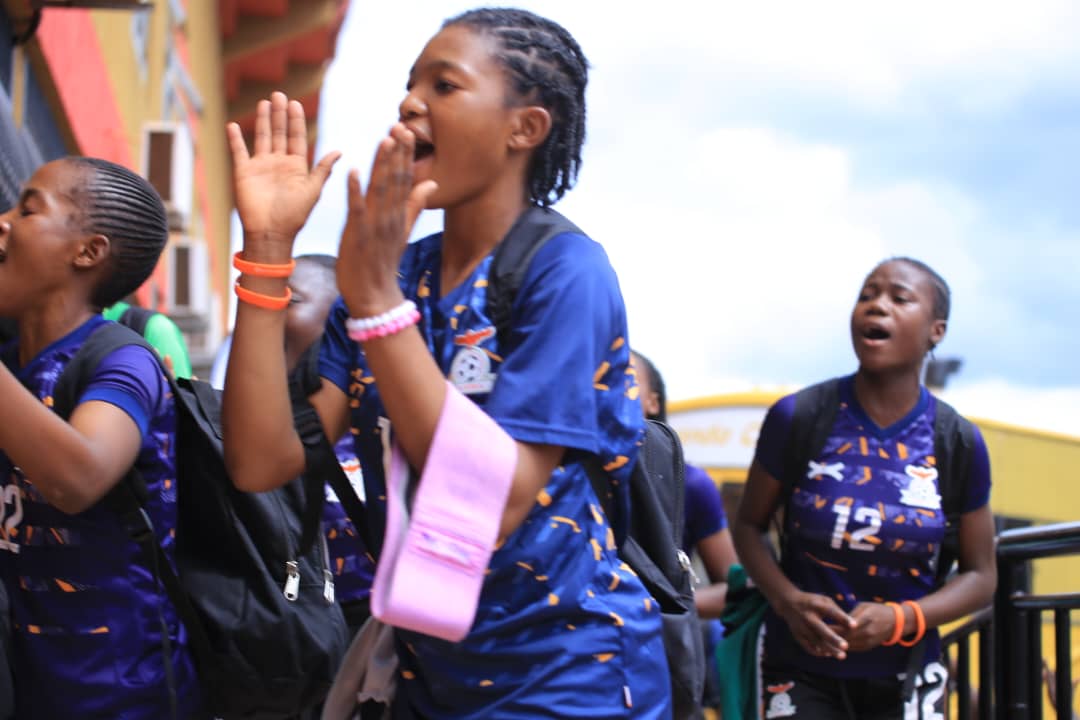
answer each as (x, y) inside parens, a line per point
(737, 653)
(163, 335)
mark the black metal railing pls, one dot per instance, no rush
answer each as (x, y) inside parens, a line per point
(1009, 681)
(1018, 621)
(971, 705)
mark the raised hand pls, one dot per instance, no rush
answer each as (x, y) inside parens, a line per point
(378, 226)
(807, 615)
(274, 186)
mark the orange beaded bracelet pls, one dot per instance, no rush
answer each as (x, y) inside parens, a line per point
(898, 629)
(247, 267)
(920, 624)
(267, 302)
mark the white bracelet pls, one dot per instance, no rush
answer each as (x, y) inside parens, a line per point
(362, 325)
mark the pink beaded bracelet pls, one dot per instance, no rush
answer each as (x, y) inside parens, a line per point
(363, 330)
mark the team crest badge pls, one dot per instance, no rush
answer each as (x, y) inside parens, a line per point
(780, 705)
(922, 489)
(470, 370)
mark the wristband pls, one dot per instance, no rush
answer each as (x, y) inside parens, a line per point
(920, 624)
(283, 270)
(267, 302)
(898, 629)
(390, 322)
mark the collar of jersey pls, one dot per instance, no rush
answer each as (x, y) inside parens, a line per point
(75, 337)
(847, 395)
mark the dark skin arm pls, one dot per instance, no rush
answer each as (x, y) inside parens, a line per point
(717, 553)
(972, 589)
(817, 623)
(72, 464)
(275, 193)
(411, 384)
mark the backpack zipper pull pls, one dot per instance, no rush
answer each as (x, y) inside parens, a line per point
(684, 560)
(328, 587)
(292, 580)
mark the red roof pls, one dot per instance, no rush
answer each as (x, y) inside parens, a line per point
(277, 44)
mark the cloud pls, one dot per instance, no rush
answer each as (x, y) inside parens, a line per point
(1017, 404)
(748, 163)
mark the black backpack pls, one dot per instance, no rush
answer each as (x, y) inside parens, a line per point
(954, 440)
(647, 517)
(8, 330)
(253, 585)
(136, 318)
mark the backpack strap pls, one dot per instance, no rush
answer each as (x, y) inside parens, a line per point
(320, 461)
(954, 442)
(812, 421)
(514, 254)
(128, 497)
(136, 318)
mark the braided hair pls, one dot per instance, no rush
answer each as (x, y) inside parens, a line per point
(942, 294)
(546, 66)
(125, 208)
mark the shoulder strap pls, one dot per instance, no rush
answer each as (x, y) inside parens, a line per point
(320, 461)
(811, 422)
(136, 318)
(529, 233)
(954, 442)
(128, 497)
(81, 368)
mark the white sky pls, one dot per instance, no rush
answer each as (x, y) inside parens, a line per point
(748, 163)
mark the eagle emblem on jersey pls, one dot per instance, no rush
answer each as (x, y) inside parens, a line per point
(780, 705)
(921, 490)
(819, 470)
(470, 370)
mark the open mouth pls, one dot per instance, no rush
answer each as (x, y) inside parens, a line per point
(875, 333)
(424, 150)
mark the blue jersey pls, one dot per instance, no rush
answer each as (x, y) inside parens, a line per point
(85, 610)
(704, 508)
(352, 566)
(864, 523)
(564, 628)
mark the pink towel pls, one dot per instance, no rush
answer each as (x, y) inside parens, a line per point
(433, 563)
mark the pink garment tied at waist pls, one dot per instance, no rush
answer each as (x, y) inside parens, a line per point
(434, 561)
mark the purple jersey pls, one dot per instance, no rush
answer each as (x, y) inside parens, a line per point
(85, 611)
(353, 567)
(704, 508)
(563, 628)
(864, 523)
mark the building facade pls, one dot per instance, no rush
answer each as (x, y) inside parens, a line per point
(150, 84)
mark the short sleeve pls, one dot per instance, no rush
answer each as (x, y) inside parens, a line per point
(336, 349)
(130, 378)
(704, 507)
(773, 438)
(978, 489)
(568, 336)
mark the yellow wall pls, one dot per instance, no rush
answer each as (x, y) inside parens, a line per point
(1034, 473)
(208, 72)
(140, 99)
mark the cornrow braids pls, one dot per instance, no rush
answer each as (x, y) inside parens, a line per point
(942, 294)
(547, 67)
(125, 208)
